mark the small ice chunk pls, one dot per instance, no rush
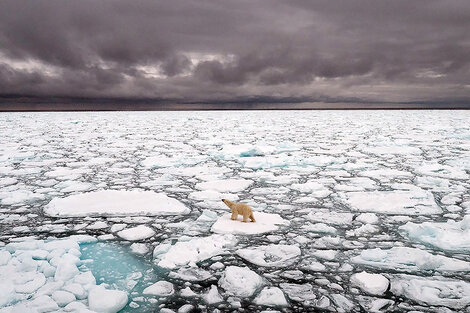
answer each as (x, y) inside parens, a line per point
(328, 255)
(186, 308)
(271, 296)
(66, 270)
(140, 232)
(139, 248)
(298, 292)
(213, 296)
(374, 284)
(62, 298)
(193, 274)
(77, 290)
(161, 288)
(364, 230)
(97, 225)
(314, 189)
(106, 301)
(367, 218)
(330, 217)
(118, 227)
(321, 228)
(188, 293)
(37, 281)
(271, 255)
(240, 281)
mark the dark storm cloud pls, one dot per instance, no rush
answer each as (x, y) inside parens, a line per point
(221, 50)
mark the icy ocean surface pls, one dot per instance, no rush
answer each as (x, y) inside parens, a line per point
(357, 211)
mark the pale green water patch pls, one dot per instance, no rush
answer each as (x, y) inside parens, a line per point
(117, 266)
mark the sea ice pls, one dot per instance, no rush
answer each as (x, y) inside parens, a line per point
(240, 281)
(194, 250)
(136, 233)
(319, 228)
(40, 276)
(213, 296)
(265, 222)
(330, 217)
(271, 296)
(161, 288)
(313, 189)
(437, 291)
(193, 274)
(450, 236)
(367, 218)
(409, 260)
(226, 185)
(115, 202)
(106, 301)
(299, 292)
(271, 255)
(374, 284)
(393, 202)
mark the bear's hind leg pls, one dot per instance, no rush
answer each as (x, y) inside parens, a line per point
(252, 218)
(245, 218)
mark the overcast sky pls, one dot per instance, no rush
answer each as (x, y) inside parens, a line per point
(397, 50)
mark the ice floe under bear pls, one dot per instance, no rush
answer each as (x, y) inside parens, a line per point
(265, 222)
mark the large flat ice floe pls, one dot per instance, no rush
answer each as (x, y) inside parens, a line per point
(115, 202)
(225, 185)
(438, 291)
(416, 202)
(265, 222)
(409, 260)
(191, 251)
(450, 236)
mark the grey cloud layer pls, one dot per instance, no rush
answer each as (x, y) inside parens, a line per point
(192, 50)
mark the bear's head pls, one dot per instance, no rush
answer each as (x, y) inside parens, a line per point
(227, 202)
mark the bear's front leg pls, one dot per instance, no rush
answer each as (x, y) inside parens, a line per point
(234, 215)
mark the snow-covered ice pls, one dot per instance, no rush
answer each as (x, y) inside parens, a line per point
(240, 281)
(160, 288)
(122, 202)
(271, 255)
(374, 284)
(271, 296)
(194, 250)
(115, 202)
(136, 233)
(449, 236)
(437, 291)
(393, 202)
(409, 260)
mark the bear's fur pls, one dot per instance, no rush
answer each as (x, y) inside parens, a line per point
(240, 209)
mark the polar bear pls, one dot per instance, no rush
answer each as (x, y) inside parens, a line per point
(240, 209)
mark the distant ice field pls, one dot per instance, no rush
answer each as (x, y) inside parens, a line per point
(357, 211)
